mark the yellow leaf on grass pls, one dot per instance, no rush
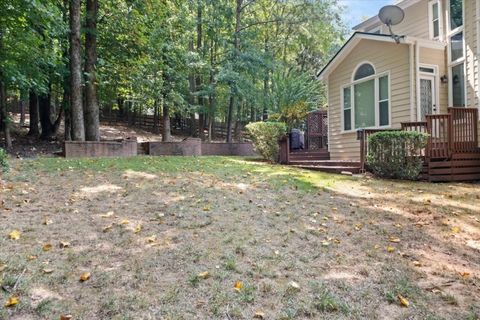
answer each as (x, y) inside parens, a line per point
(107, 215)
(151, 239)
(259, 315)
(203, 275)
(464, 274)
(390, 249)
(12, 301)
(47, 247)
(394, 239)
(14, 235)
(138, 228)
(84, 276)
(238, 285)
(403, 302)
(455, 229)
(124, 221)
(31, 257)
(107, 228)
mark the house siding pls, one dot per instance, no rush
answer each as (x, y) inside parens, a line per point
(415, 23)
(385, 57)
(438, 58)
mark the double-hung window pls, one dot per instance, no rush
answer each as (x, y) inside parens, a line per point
(456, 53)
(366, 101)
(435, 19)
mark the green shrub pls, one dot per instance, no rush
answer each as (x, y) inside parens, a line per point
(3, 160)
(396, 154)
(265, 136)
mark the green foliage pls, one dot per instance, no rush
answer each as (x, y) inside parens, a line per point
(396, 154)
(265, 136)
(3, 161)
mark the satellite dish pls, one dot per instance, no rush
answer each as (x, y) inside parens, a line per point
(391, 15)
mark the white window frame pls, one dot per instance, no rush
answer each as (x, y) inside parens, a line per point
(436, 84)
(376, 76)
(451, 64)
(440, 20)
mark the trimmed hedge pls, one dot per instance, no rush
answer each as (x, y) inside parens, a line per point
(265, 136)
(396, 154)
(3, 160)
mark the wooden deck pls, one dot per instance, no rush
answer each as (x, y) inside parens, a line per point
(452, 152)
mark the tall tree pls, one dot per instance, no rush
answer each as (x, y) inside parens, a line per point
(92, 122)
(78, 131)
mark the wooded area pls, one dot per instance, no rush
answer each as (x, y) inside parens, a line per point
(229, 61)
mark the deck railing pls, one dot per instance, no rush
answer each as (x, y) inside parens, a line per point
(453, 132)
(464, 129)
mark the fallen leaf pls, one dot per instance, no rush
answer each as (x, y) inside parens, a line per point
(47, 247)
(124, 221)
(12, 301)
(84, 276)
(31, 257)
(3, 267)
(394, 239)
(293, 286)
(47, 221)
(138, 228)
(151, 239)
(64, 244)
(455, 229)
(403, 302)
(238, 285)
(203, 275)
(390, 249)
(417, 263)
(66, 317)
(107, 228)
(107, 215)
(47, 271)
(325, 243)
(14, 235)
(259, 315)
(464, 274)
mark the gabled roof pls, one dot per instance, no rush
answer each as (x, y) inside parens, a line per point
(374, 20)
(349, 45)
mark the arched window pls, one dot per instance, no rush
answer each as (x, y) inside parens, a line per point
(366, 100)
(364, 71)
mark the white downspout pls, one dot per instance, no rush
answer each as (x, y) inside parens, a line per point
(412, 81)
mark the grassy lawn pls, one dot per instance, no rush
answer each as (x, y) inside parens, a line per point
(171, 237)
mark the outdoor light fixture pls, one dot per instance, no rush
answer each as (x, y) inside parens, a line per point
(391, 15)
(444, 79)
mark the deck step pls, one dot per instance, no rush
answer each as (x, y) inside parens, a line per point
(327, 163)
(329, 169)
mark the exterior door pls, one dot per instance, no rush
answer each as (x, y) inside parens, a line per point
(427, 96)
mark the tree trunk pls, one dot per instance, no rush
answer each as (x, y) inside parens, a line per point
(44, 112)
(33, 113)
(201, 111)
(92, 121)
(22, 103)
(156, 116)
(3, 113)
(236, 47)
(166, 134)
(78, 130)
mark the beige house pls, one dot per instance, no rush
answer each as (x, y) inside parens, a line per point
(375, 82)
